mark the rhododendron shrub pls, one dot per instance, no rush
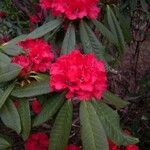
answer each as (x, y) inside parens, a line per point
(60, 79)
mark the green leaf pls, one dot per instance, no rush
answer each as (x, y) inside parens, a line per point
(11, 47)
(15, 40)
(4, 59)
(114, 100)
(69, 40)
(105, 32)
(90, 41)
(145, 6)
(9, 72)
(6, 93)
(92, 132)
(33, 89)
(110, 121)
(44, 29)
(124, 24)
(10, 117)
(116, 29)
(61, 129)
(25, 117)
(14, 50)
(49, 108)
(4, 143)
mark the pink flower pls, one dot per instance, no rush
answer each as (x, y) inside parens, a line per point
(24, 62)
(39, 52)
(72, 9)
(80, 75)
(37, 141)
(36, 106)
(72, 147)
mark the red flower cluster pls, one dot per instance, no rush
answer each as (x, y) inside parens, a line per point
(80, 75)
(72, 147)
(113, 146)
(24, 62)
(4, 39)
(37, 141)
(72, 9)
(36, 106)
(2, 14)
(38, 56)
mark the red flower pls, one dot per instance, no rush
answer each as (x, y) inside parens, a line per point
(112, 146)
(16, 103)
(37, 141)
(72, 9)
(39, 52)
(4, 39)
(81, 75)
(36, 106)
(24, 62)
(35, 18)
(72, 147)
(2, 14)
(132, 147)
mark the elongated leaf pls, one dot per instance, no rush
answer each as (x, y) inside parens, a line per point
(33, 89)
(9, 72)
(124, 24)
(15, 40)
(145, 6)
(25, 117)
(6, 93)
(13, 50)
(11, 47)
(4, 59)
(92, 132)
(69, 40)
(116, 29)
(44, 29)
(4, 143)
(114, 100)
(110, 121)
(61, 129)
(133, 5)
(90, 41)
(49, 108)
(10, 117)
(105, 32)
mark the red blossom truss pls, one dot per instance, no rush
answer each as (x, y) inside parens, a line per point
(38, 56)
(113, 146)
(72, 147)
(36, 106)
(72, 9)
(24, 62)
(37, 141)
(80, 75)
(2, 14)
